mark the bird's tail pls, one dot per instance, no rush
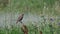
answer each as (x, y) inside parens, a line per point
(16, 22)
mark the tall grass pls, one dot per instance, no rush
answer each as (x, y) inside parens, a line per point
(39, 11)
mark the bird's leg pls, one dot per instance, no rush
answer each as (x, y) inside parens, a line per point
(21, 22)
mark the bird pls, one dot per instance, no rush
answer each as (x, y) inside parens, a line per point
(20, 18)
(23, 27)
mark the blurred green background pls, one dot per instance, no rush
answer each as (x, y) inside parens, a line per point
(34, 11)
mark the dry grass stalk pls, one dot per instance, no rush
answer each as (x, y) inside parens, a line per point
(24, 29)
(40, 32)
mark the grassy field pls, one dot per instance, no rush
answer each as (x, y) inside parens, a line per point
(43, 13)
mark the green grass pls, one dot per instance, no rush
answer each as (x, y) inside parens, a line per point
(31, 28)
(48, 8)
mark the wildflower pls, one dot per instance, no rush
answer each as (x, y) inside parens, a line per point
(51, 19)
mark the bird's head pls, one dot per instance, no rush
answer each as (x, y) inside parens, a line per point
(22, 14)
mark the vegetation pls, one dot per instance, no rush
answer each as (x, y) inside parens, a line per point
(39, 16)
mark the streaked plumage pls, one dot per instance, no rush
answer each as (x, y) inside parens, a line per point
(20, 18)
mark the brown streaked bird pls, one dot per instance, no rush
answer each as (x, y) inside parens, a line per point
(20, 18)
